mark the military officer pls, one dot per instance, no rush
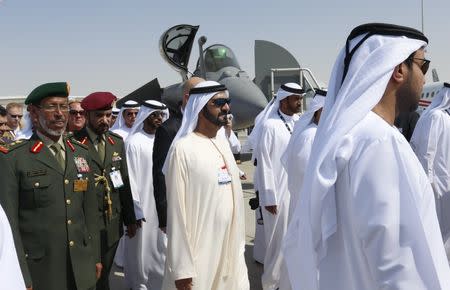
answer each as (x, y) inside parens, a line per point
(47, 193)
(115, 203)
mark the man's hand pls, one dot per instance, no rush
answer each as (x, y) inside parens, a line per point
(98, 270)
(184, 284)
(139, 222)
(131, 230)
(272, 209)
(163, 229)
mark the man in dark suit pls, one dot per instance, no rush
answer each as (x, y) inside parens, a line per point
(115, 203)
(48, 194)
(163, 139)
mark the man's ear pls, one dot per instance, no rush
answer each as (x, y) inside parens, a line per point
(400, 73)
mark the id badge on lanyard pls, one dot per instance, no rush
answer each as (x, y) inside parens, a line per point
(223, 176)
(116, 178)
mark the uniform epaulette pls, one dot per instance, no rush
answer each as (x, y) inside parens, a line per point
(115, 135)
(16, 144)
(76, 142)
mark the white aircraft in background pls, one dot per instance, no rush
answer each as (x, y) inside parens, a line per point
(429, 91)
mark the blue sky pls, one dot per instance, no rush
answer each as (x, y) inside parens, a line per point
(100, 45)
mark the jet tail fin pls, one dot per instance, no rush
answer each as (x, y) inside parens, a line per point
(435, 75)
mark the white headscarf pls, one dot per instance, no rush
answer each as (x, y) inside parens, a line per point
(424, 133)
(304, 121)
(120, 122)
(146, 109)
(193, 107)
(268, 111)
(27, 131)
(346, 104)
(440, 102)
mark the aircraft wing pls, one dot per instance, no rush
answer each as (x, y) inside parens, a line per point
(149, 91)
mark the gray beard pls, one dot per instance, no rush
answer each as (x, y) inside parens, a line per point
(48, 130)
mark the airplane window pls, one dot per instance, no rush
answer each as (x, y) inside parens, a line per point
(427, 95)
(432, 94)
(218, 57)
(421, 96)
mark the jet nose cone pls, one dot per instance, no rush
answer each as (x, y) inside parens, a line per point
(247, 100)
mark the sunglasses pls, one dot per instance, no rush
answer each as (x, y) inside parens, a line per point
(221, 102)
(75, 112)
(157, 114)
(424, 66)
(16, 116)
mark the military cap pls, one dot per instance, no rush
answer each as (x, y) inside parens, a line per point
(59, 89)
(98, 101)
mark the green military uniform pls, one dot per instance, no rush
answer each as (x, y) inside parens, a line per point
(52, 212)
(121, 210)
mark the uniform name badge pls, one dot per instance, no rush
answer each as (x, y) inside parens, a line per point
(80, 185)
(116, 178)
(223, 176)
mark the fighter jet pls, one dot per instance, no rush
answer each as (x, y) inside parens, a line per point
(217, 63)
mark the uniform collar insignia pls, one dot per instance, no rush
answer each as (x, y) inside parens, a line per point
(111, 141)
(3, 149)
(70, 145)
(84, 141)
(37, 147)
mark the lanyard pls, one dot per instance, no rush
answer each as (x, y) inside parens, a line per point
(284, 121)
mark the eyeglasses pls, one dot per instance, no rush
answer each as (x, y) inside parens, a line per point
(424, 66)
(158, 114)
(75, 112)
(54, 107)
(16, 116)
(221, 102)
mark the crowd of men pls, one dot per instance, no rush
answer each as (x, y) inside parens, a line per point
(344, 200)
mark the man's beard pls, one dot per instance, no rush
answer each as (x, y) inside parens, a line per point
(213, 119)
(49, 131)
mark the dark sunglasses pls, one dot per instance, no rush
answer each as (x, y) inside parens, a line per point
(157, 114)
(16, 116)
(75, 112)
(221, 102)
(424, 66)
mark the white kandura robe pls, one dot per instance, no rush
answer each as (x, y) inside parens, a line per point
(297, 162)
(259, 242)
(431, 143)
(123, 131)
(205, 219)
(273, 190)
(387, 234)
(144, 257)
(10, 273)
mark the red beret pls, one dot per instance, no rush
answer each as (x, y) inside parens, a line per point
(98, 101)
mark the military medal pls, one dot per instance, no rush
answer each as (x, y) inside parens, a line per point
(116, 157)
(81, 164)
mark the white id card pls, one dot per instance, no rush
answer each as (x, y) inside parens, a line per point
(116, 179)
(223, 176)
